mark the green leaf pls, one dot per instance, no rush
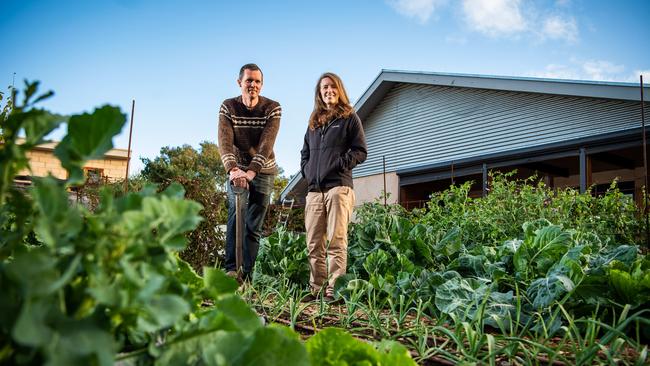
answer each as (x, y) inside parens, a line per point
(632, 285)
(163, 311)
(30, 90)
(377, 262)
(168, 216)
(217, 283)
(38, 124)
(58, 221)
(544, 291)
(332, 346)
(226, 348)
(35, 269)
(464, 297)
(275, 345)
(237, 311)
(541, 249)
(82, 343)
(450, 243)
(31, 328)
(394, 353)
(89, 137)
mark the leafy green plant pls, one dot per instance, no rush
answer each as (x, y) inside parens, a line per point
(333, 346)
(202, 175)
(105, 286)
(284, 253)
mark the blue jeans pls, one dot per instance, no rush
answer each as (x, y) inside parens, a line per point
(255, 204)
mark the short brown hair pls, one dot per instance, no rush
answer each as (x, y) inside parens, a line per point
(251, 67)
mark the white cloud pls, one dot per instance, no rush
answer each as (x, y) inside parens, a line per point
(598, 70)
(421, 10)
(602, 70)
(555, 71)
(557, 27)
(498, 18)
(494, 17)
(634, 78)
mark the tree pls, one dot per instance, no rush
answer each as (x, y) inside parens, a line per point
(203, 177)
(279, 183)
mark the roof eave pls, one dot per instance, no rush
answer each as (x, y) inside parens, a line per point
(578, 88)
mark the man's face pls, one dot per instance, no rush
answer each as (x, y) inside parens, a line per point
(250, 83)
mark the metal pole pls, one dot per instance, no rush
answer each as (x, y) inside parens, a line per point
(128, 152)
(384, 163)
(583, 169)
(485, 180)
(645, 170)
(452, 173)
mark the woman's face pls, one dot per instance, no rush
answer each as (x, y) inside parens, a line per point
(328, 92)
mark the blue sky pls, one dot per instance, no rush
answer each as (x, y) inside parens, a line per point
(179, 60)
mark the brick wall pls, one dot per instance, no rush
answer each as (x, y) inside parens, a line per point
(43, 162)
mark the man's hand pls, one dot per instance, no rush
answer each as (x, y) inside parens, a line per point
(250, 175)
(236, 173)
(238, 177)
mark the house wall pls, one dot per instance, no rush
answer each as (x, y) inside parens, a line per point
(114, 169)
(369, 188)
(43, 162)
(416, 124)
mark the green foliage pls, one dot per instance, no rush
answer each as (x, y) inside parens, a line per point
(518, 253)
(334, 347)
(498, 217)
(284, 253)
(89, 136)
(35, 123)
(202, 175)
(295, 220)
(279, 183)
(631, 282)
(110, 281)
(474, 300)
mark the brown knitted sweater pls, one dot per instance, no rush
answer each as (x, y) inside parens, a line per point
(246, 136)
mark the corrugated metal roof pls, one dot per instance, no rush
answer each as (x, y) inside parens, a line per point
(581, 88)
(419, 124)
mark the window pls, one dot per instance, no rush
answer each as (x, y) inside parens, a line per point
(93, 175)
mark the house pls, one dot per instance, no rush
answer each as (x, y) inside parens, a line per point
(111, 168)
(426, 130)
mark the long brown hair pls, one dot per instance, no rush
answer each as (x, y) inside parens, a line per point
(321, 115)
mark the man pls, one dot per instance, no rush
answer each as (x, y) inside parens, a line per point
(248, 125)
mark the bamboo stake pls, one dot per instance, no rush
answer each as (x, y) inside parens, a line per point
(128, 152)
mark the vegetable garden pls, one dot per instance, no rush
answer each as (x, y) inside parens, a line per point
(526, 275)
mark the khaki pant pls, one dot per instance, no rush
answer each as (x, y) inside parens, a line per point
(327, 215)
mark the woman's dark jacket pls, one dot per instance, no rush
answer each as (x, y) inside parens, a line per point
(331, 151)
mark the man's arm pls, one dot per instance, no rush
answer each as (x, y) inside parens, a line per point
(267, 140)
(226, 139)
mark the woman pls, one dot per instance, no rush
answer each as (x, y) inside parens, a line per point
(334, 144)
